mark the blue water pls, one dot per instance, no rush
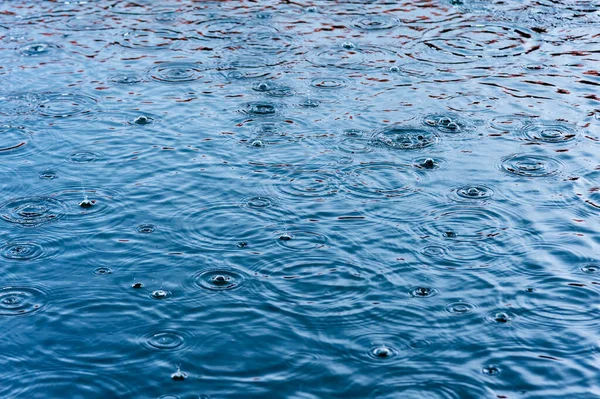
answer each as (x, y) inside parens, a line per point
(277, 199)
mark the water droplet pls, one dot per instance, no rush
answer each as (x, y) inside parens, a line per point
(490, 370)
(502, 317)
(160, 294)
(146, 228)
(382, 352)
(404, 138)
(48, 175)
(178, 375)
(257, 144)
(143, 120)
(422, 292)
(460, 307)
(348, 45)
(474, 192)
(219, 279)
(137, 285)
(394, 69)
(86, 203)
(285, 237)
(590, 269)
(103, 271)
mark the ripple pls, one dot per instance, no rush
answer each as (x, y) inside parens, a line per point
(319, 286)
(248, 74)
(357, 57)
(460, 308)
(18, 104)
(222, 227)
(127, 78)
(329, 83)
(160, 294)
(309, 184)
(465, 43)
(426, 163)
(89, 202)
(258, 202)
(87, 23)
(22, 251)
(299, 239)
(375, 22)
(176, 72)
(268, 42)
(219, 279)
(260, 108)
(472, 193)
(37, 49)
(381, 180)
(549, 132)
(32, 211)
(63, 105)
(16, 301)
(14, 139)
(164, 341)
(404, 138)
(54, 384)
(274, 89)
(149, 39)
(224, 28)
(501, 317)
(146, 228)
(84, 156)
(103, 271)
(531, 165)
(48, 175)
(508, 123)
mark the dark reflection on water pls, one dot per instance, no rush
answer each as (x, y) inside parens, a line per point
(323, 199)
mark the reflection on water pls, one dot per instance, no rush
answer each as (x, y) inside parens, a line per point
(322, 199)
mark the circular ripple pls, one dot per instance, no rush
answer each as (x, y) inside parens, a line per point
(351, 57)
(127, 78)
(149, 39)
(102, 271)
(549, 132)
(176, 72)
(309, 184)
(219, 279)
(381, 180)
(329, 83)
(531, 165)
(471, 193)
(22, 251)
(223, 227)
(53, 384)
(32, 211)
(404, 138)
(37, 49)
(59, 105)
(501, 317)
(447, 123)
(300, 240)
(465, 43)
(318, 286)
(15, 301)
(260, 108)
(460, 308)
(18, 104)
(86, 202)
(225, 28)
(258, 202)
(146, 228)
(14, 139)
(375, 22)
(268, 42)
(84, 156)
(508, 123)
(164, 340)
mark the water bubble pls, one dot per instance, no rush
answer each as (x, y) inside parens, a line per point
(500, 317)
(102, 271)
(404, 138)
(590, 269)
(382, 352)
(426, 163)
(178, 375)
(22, 251)
(394, 69)
(160, 294)
(531, 165)
(15, 301)
(219, 279)
(143, 120)
(447, 123)
(422, 292)
(257, 144)
(263, 86)
(86, 203)
(242, 244)
(146, 228)
(348, 45)
(312, 9)
(490, 370)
